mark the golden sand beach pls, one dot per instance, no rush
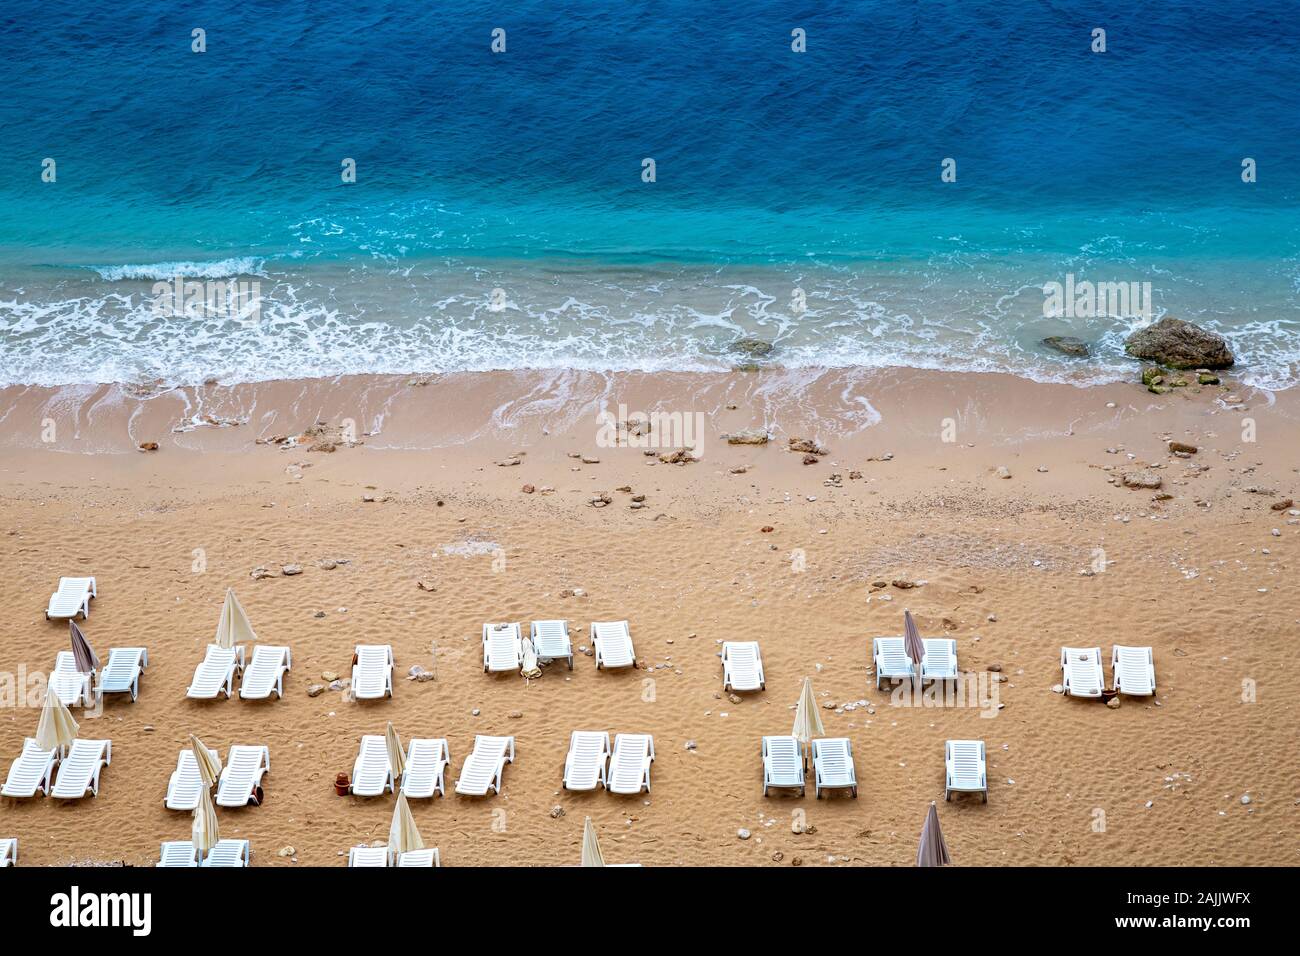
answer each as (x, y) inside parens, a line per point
(1001, 502)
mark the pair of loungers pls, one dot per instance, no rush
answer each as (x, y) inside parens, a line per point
(382, 856)
(889, 655)
(503, 645)
(623, 769)
(783, 765)
(237, 786)
(236, 853)
(262, 677)
(426, 763)
(1133, 668)
(121, 675)
(72, 599)
(78, 770)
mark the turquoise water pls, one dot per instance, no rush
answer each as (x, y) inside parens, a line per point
(521, 172)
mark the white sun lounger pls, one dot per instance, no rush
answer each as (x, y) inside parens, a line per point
(1134, 670)
(940, 660)
(265, 673)
(503, 648)
(178, 853)
(8, 852)
(629, 764)
(833, 766)
(79, 770)
(216, 673)
(185, 784)
(584, 765)
(742, 666)
(613, 643)
(891, 661)
(427, 857)
(426, 765)
(372, 773)
(966, 768)
(1081, 671)
(551, 641)
(70, 685)
(372, 674)
(229, 853)
(484, 766)
(783, 764)
(33, 770)
(368, 856)
(72, 598)
(121, 674)
(245, 765)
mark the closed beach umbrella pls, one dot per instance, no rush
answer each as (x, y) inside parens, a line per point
(530, 668)
(209, 766)
(82, 652)
(913, 644)
(932, 851)
(402, 834)
(807, 721)
(204, 832)
(56, 728)
(233, 627)
(591, 855)
(396, 759)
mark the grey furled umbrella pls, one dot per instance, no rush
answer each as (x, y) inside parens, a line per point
(82, 652)
(913, 644)
(932, 851)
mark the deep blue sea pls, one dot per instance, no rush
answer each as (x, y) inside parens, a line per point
(522, 171)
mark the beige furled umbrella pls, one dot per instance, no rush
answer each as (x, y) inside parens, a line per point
(56, 729)
(396, 759)
(402, 833)
(913, 644)
(209, 766)
(807, 721)
(932, 851)
(204, 831)
(591, 855)
(85, 656)
(530, 668)
(233, 627)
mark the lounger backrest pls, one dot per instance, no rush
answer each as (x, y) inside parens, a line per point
(783, 758)
(502, 646)
(1082, 668)
(891, 657)
(31, 770)
(940, 654)
(124, 664)
(368, 856)
(426, 857)
(833, 760)
(551, 638)
(614, 642)
(585, 762)
(965, 760)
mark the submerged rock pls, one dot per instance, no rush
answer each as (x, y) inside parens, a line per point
(1068, 345)
(1178, 344)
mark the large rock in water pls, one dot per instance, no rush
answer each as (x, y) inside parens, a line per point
(1178, 344)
